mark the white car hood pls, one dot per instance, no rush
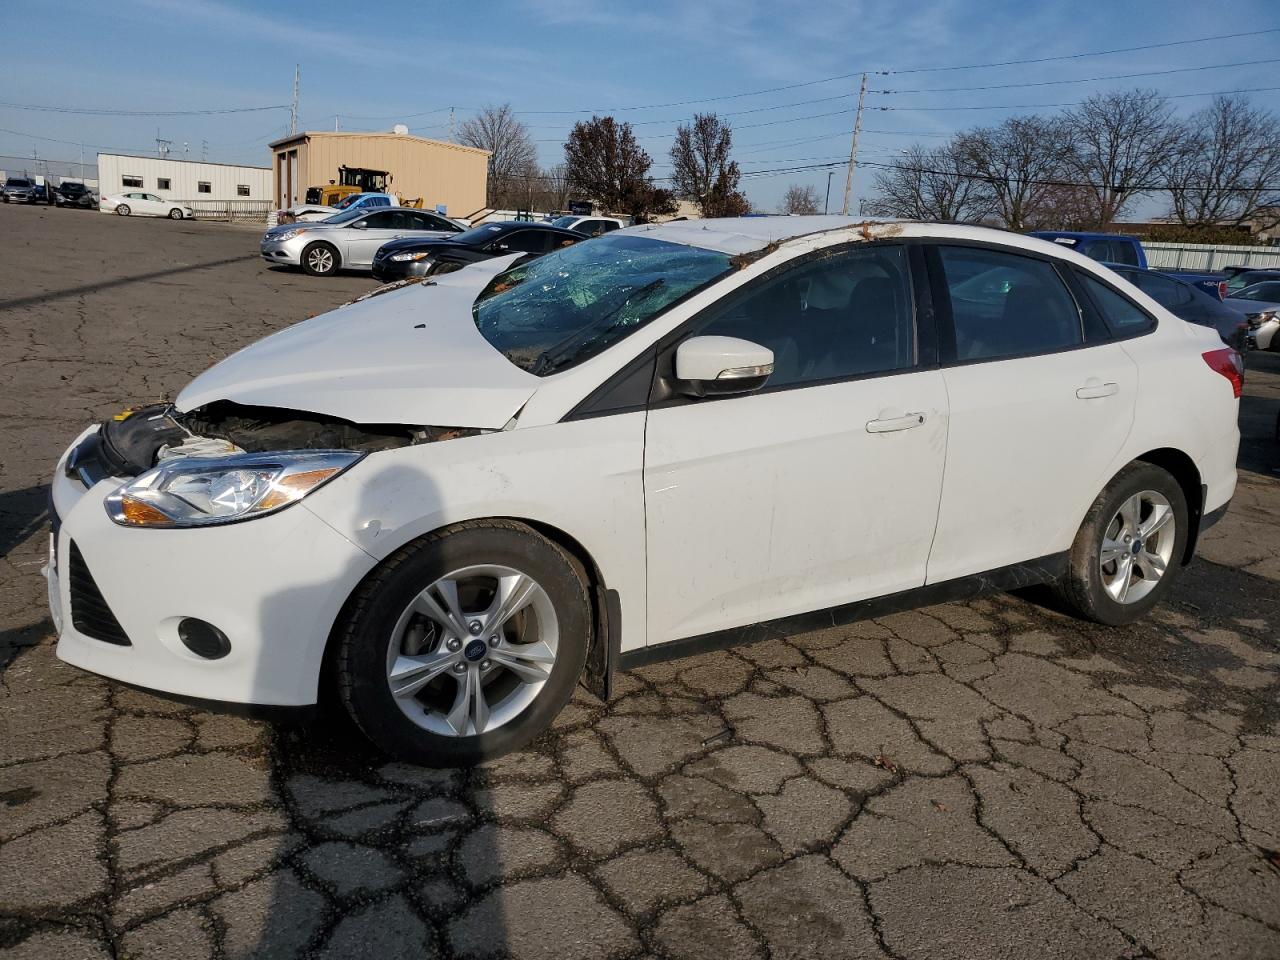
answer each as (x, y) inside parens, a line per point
(411, 356)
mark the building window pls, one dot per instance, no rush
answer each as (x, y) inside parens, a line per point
(242, 189)
(162, 183)
(129, 181)
(203, 186)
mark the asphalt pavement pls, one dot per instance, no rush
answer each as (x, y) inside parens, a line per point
(988, 779)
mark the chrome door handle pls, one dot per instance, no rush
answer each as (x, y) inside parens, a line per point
(1094, 391)
(890, 424)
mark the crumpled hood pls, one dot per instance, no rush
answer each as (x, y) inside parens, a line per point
(412, 356)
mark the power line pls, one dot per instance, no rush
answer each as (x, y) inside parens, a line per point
(1135, 188)
(1076, 103)
(969, 66)
(1096, 53)
(141, 113)
(1114, 76)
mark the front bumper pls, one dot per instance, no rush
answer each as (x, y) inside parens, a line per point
(389, 271)
(287, 253)
(274, 585)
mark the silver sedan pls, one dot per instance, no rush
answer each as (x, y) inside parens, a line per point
(348, 240)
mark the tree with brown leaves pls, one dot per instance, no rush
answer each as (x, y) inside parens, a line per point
(605, 163)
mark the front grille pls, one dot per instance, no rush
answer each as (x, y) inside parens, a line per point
(89, 611)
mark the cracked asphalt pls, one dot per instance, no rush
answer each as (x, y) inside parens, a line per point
(989, 779)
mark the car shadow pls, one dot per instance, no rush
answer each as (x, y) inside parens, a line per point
(87, 288)
(23, 514)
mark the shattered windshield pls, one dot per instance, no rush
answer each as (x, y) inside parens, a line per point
(562, 309)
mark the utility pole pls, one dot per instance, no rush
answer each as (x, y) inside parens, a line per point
(853, 149)
(335, 123)
(293, 109)
(451, 124)
(826, 204)
(204, 149)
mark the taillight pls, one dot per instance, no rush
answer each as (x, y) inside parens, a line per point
(1222, 289)
(1228, 363)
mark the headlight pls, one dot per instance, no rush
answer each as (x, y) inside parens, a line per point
(289, 234)
(190, 492)
(401, 257)
(1256, 320)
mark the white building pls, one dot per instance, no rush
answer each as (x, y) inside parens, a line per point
(188, 180)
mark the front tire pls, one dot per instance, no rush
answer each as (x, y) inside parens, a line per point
(175, 214)
(1129, 548)
(123, 210)
(320, 259)
(465, 644)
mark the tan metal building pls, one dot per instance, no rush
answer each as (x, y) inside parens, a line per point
(437, 171)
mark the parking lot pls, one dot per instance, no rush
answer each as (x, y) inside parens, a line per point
(986, 779)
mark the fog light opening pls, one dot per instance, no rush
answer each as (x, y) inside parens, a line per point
(203, 639)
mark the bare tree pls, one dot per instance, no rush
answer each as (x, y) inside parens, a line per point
(1021, 161)
(799, 200)
(604, 161)
(514, 158)
(930, 184)
(556, 186)
(1227, 156)
(702, 170)
(1119, 144)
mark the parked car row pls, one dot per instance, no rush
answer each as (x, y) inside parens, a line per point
(374, 233)
(66, 194)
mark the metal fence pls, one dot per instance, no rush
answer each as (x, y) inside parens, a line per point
(235, 211)
(1208, 257)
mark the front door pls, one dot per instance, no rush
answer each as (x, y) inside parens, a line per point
(819, 489)
(1039, 411)
(380, 226)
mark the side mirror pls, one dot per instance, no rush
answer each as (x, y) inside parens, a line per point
(721, 366)
(360, 225)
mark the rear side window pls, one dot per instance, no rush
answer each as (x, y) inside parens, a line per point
(1166, 292)
(1123, 252)
(1006, 305)
(1123, 316)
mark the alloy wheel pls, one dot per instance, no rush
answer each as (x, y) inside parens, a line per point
(472, 650)
(320, 260)
(1137, 546)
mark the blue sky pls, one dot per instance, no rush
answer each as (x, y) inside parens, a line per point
(559, 60)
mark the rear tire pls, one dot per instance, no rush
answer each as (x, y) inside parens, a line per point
(492, 684)
(1129, 548)
(175, 214)
(123, 210)
(320, 259)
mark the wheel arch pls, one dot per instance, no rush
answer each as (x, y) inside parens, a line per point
(337, 254)
(1183, 469)
(602, 651)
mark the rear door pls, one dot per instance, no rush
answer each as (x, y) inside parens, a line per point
(1041, 401)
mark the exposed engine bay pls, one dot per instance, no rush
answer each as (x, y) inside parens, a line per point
(137, 439)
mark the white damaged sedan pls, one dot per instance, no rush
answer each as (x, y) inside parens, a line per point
(456, 500)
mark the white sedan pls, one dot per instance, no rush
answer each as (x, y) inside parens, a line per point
(144, 205)
(456, 500)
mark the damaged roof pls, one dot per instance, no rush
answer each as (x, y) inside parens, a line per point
(739, 235)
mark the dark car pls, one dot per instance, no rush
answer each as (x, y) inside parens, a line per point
(1189, 302)
(1248, 277)
(74, 195)
(20, 190)
(399, 259)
